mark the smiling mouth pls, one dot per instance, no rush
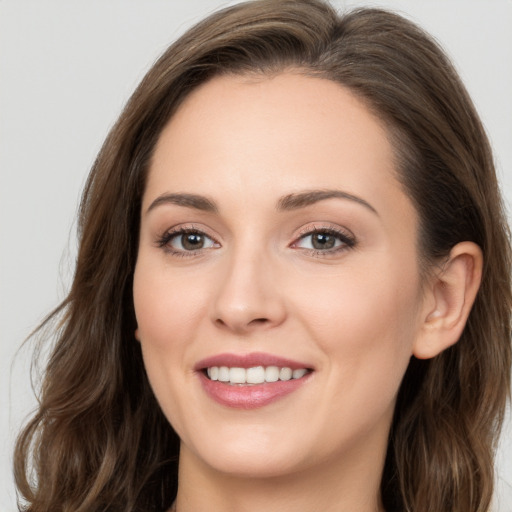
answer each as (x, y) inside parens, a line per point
(251, 381)
(236, 376)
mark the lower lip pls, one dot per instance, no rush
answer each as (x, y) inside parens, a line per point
(249, 397)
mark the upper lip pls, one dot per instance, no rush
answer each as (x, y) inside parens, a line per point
(249, 361)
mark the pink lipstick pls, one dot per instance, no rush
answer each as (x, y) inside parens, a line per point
(252, 380)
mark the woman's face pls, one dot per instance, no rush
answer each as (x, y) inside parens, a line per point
(275, 237)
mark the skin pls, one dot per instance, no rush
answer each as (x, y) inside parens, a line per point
(355, 315)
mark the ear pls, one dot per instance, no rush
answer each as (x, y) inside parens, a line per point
(137, 336)
(449, 297)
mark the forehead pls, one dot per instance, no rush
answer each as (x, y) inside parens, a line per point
(244, 134)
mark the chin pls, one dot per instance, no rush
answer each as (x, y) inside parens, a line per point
(261, 464)
(251, 455)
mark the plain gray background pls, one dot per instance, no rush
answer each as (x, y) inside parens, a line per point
(66, 69)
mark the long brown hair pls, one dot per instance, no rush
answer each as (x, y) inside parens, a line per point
(99, 440)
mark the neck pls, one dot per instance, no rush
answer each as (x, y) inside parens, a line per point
(340, 486)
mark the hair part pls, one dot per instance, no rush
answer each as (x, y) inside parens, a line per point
(99, 440)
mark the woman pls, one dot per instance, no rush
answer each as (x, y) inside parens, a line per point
(292, 288)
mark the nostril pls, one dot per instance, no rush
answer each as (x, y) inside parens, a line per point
(241, 326)
(259, 321)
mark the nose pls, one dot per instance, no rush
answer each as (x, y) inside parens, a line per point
(249, 296)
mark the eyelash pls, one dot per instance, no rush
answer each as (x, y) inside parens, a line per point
(347, 240)
(164, 240)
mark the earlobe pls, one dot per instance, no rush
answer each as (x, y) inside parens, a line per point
(451, 295)
(137, 336)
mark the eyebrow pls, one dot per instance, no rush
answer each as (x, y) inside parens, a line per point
(309, 197)
(188, 200)
(286, 203)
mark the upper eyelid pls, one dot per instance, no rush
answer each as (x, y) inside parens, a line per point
(305, 231)
(188, 228)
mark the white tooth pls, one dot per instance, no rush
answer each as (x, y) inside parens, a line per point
(255, 375)
(297, 374)
(285, 374)
(271, 374)
(237, 375)
(213, 372)
(223, 374)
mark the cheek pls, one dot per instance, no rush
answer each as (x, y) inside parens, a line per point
(167, 310)
(365, 320)
(365, 326)
(167, 307)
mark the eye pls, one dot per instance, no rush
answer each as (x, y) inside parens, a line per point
(191, 241)
(325, 240)
(182, 241)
